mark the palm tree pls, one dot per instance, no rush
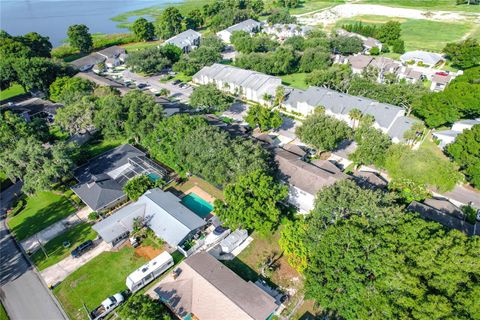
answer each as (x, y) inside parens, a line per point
(367, 120)
(355, 115)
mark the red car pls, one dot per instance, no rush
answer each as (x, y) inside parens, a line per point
(442, 73)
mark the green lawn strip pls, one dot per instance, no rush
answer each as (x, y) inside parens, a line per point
(3, 313)
(448, 5)
(141, 45)
(96, 280)
(41, 210)
(314, 5)
(155, 11)
(56, 251)
(419, 34)
(11, 92)
(295, 80)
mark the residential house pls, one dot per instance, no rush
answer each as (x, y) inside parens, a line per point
(187, 40)
(361, 62)
(285, 31)
(418, 56)
(103, 81)
(249, 25)
(305, 179)
(33, 108)
(203, 288)
(101, 179)
(445, 213)
(388, 118)
(439, 82)
(251, 85)
(368, 42)
(161, 211)
(409, 74)
(448, 136)
(112, 57)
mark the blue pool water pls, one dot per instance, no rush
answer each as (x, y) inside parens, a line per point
(201, 207)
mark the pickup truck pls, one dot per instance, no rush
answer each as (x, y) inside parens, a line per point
(107, 306)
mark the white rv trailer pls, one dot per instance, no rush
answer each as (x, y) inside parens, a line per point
(149, 271)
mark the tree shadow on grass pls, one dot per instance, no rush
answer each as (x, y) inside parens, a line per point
(43, 218)
(246, 272)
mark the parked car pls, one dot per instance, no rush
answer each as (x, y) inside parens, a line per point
(176, 82)
(82, 248)
(106, 306)
(441, 73)
(141, 85)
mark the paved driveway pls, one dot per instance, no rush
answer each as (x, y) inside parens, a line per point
(180, 94)
(64, 268)
(22, 292)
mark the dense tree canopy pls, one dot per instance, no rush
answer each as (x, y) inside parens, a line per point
(192, 62)
(464, 54)
(322, 131)
(67, 90)
(264, 118)
(365, 258)
(283, 60)
(169, 23)
(153, 60)
(252, 202)
(80, 38)
(137, 186)
(315, 58)
(77, 117)
(209, 98)
(346, 45)
(194, 19)
(142, 307)
(29, 45)
(372, 144)
(245, 43)
(281, 16)
(465, 150)
(143, 29)
(23, 155)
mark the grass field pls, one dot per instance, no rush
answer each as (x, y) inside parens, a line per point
(313, 5)
(56, 251)
(96, 280)
(420, 34)
(447, 5)
(11, 92)
(153, 12)
(41, 210)
(141, 45)
(295, 80)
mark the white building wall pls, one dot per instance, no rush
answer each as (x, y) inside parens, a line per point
(304, 201)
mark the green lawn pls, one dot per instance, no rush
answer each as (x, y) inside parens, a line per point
(141, 45)
(314, 5)
(448, 5)
(295, 80)
(41, 210)
(96, 280)
(3, 313)
(11, 92)
(420, 34)
(56, 251)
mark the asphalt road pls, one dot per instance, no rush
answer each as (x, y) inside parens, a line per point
(22, 292)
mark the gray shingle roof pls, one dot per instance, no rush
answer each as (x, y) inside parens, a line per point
(400, 126)
(247, 25)
(163, 213)
(246, 295)
(184, 39)
(430, 58)
(309, 177)
(112, 52)
(90, 60)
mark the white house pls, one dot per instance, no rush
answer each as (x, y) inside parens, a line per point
(249, 84)
(439, 82)
(388, 118)
(305, 179)
(427, 58)
(448, 136)
(112, 57)
(284, 31)
(187, 40)
(250, 26)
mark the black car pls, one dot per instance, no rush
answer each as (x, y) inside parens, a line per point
(81, 249)
(176, 82)
(141, 85)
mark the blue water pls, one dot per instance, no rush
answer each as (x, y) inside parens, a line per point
(201, 207)
(52, 17)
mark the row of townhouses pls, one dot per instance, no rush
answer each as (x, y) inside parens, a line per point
(258, 87)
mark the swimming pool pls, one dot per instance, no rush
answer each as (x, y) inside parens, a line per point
(201, 207)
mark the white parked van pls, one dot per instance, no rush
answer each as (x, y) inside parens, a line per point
(149, 271)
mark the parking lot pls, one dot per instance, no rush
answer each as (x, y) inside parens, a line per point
(181, 94)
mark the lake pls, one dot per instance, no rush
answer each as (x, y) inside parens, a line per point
(52, 17)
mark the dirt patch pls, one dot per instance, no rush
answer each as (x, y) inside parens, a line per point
(147, 252)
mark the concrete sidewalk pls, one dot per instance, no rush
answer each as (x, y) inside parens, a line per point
(47, 234)
(59, 271)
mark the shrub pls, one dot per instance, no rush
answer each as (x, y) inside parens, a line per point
(18, 207)
(374, 51)
(76, 199)
(93, 216)
(470, 214)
